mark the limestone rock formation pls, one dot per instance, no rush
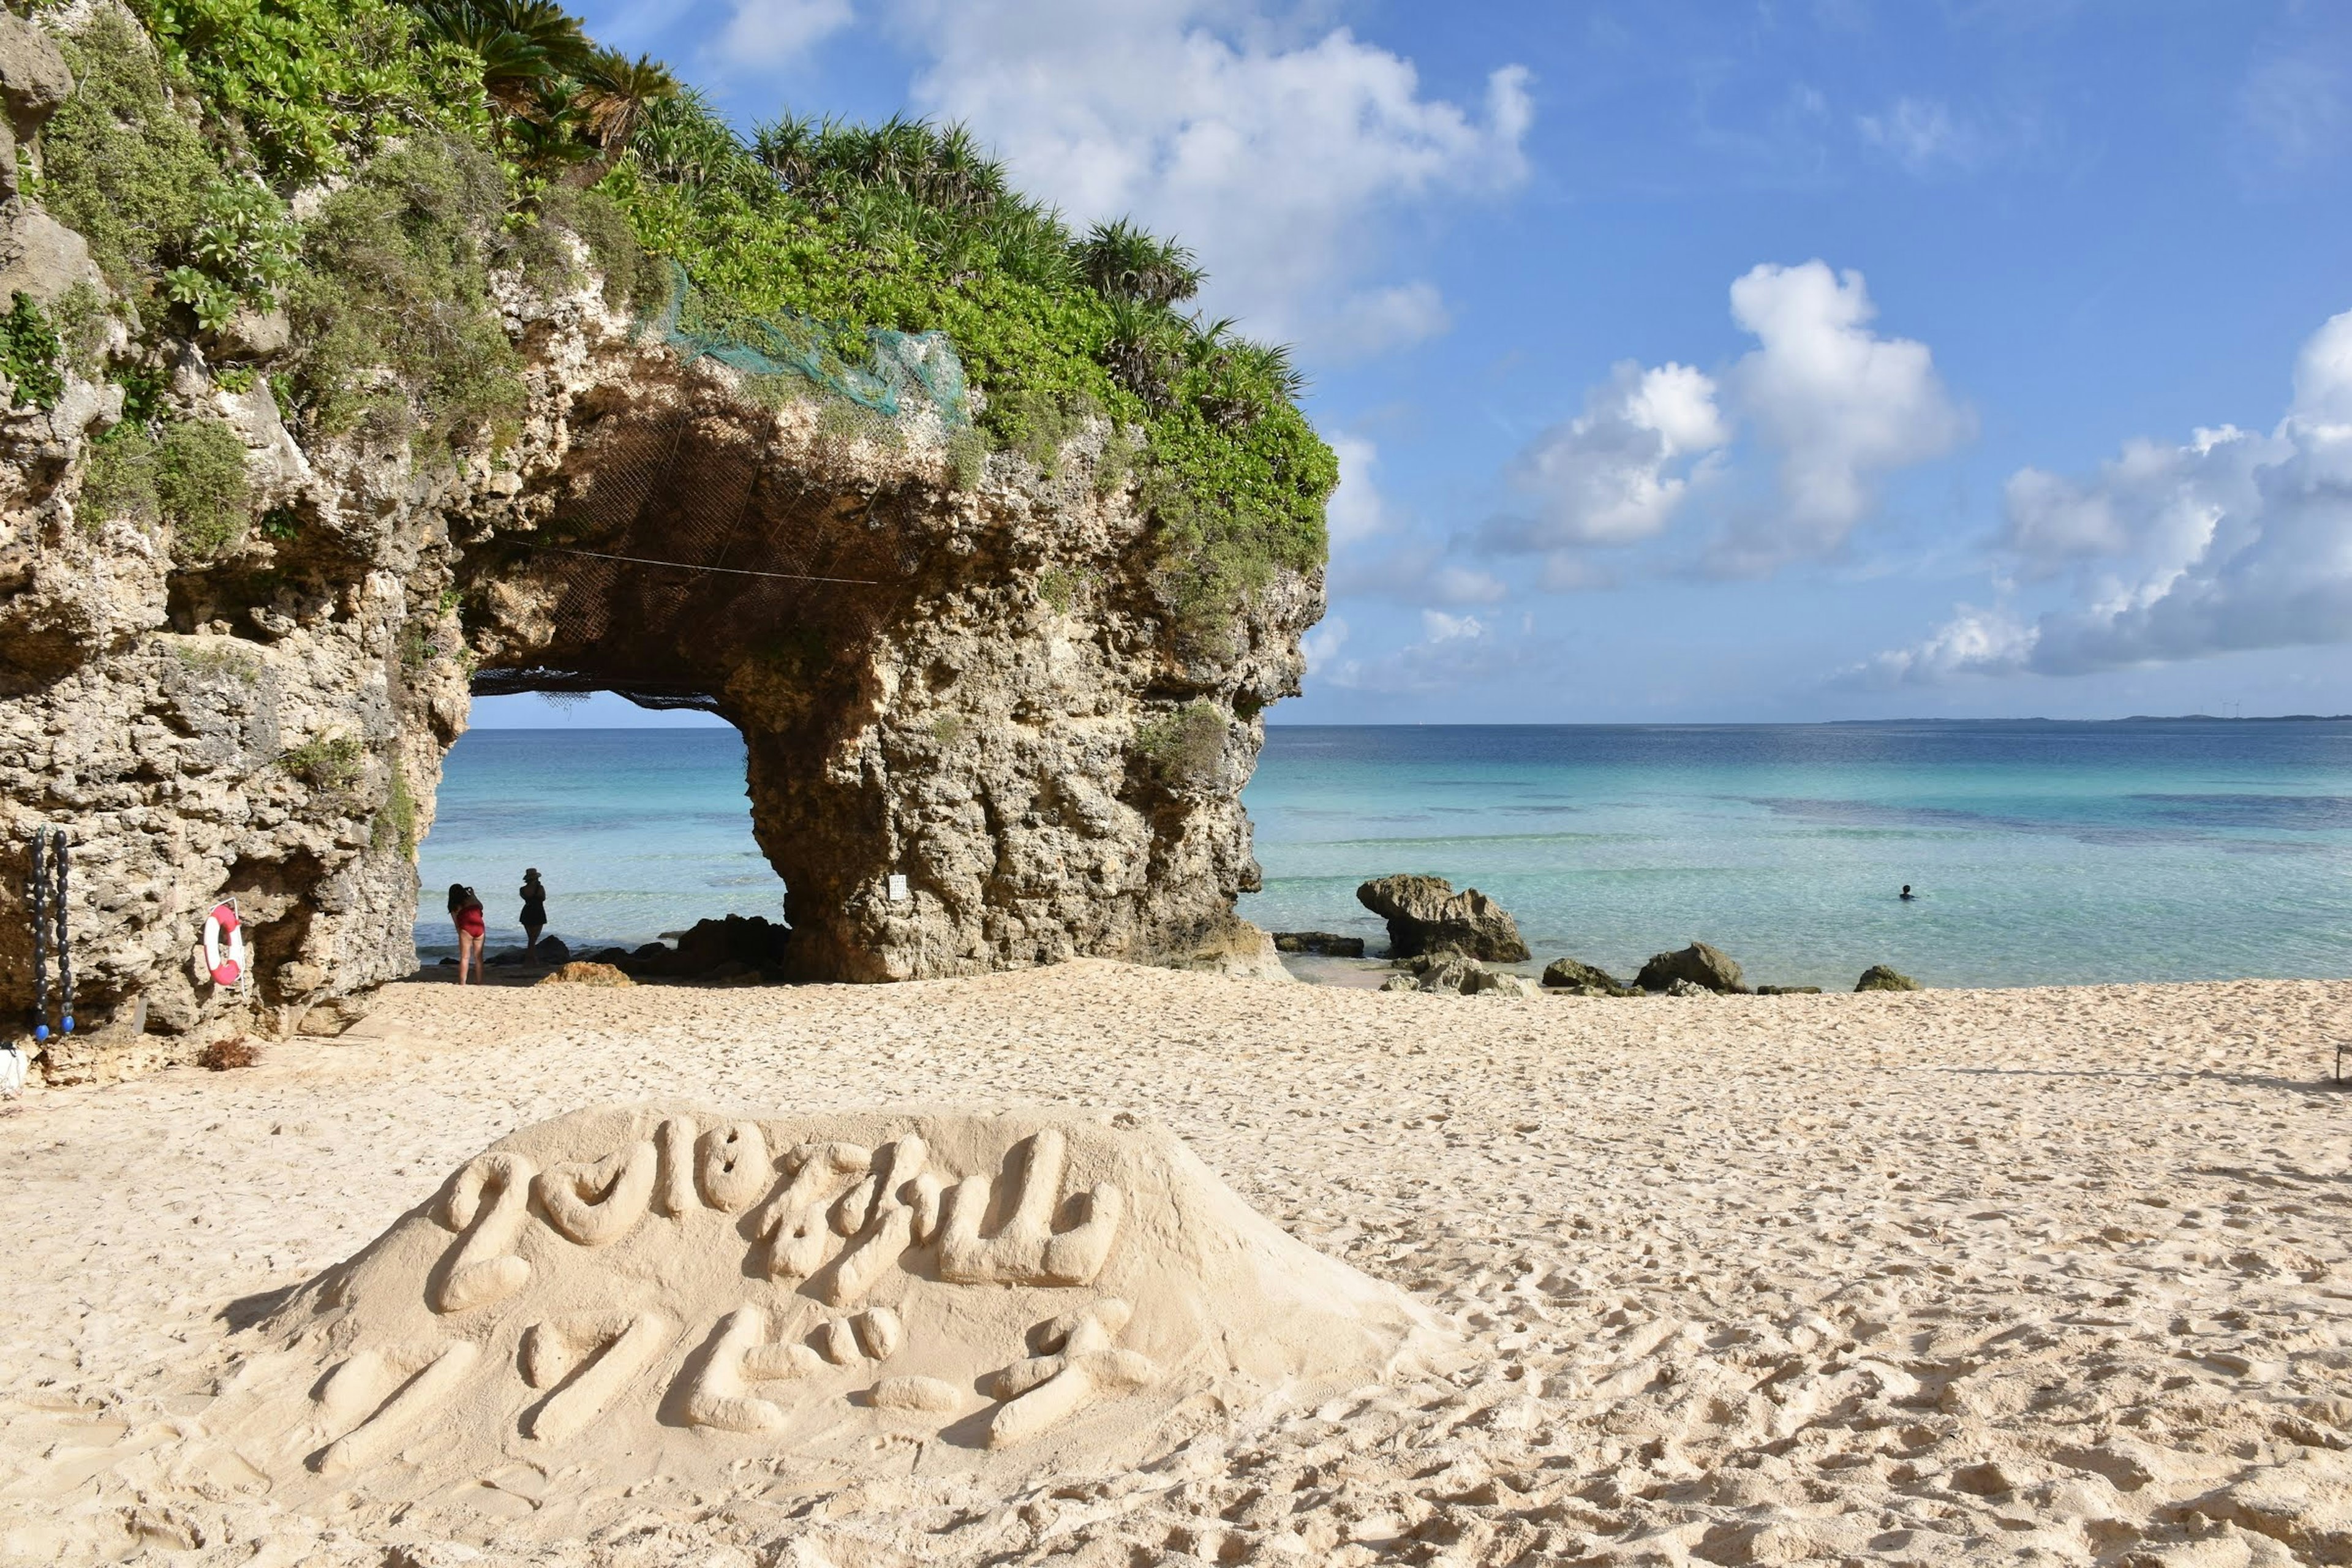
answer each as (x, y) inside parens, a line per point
(1697, 965)
(1426, 915)
(1449, 973)
(1329, 944)
(1879, 977)
(662, 1295)
(1583, 979)
(979, 734)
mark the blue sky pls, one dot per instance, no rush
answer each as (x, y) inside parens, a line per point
(1714, 362)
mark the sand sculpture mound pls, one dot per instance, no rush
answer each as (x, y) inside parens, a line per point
(653, 1291)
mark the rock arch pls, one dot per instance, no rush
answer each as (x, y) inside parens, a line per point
(970, 682)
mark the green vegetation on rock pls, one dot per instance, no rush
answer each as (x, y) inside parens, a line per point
(200, 489)
(439, 142)
(30, 353)
(1184, 750)
(325, 762)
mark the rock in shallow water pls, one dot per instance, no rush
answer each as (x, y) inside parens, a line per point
(1878, 977)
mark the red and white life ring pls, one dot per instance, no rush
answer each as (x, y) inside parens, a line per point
(224, 945)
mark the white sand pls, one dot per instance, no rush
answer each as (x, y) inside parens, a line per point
(2057, 1276)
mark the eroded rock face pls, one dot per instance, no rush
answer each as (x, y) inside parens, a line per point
(1707, 968)
(971, 687)
(1426, 915)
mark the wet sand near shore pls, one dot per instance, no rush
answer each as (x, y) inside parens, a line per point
(2055, 1276)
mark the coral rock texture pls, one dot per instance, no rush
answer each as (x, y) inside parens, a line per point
(972, 683)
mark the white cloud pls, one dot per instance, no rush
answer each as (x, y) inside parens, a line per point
(1921, 133)
(1974, 641)
(1279, 160)
(1356, 511)
(1322, 644)
(1842, 405)
(1437, 626)
(1838, 406)
(2297, 107)
(1615, 473)
(771, 33)
(1372, 321)
(1467, 586)
(2230, 541)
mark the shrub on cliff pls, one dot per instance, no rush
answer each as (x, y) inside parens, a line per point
(467, 130)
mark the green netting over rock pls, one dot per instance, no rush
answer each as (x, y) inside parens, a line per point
(900, 376)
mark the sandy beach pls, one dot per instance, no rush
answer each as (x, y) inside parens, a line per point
(2055, 1276)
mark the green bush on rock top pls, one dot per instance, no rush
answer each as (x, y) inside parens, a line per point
(443, 141)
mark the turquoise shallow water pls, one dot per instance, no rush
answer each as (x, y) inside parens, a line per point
(2044, 852)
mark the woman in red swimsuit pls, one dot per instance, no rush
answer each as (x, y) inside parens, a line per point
(466, 911)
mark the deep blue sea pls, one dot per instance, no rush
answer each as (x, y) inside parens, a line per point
(2040, 851)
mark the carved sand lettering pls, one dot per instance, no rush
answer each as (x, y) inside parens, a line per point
(719, 1393)
(598, 1202)
(794, 1222)
(731, 1166)
(675, 1139)
(614, 1347)
(424, 1375)
(1027, 1250)
(482, 1267)
(1045, 1390)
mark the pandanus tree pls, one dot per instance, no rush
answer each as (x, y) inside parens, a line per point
(614, 93)
(1124, 261)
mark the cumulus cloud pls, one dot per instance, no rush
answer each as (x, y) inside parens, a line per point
(771, 33)
(2230, 541)
(1835, 406)
(1356, 511)
(1616, 473)
(1840, 404)
(1973, 641)
(1278, 158)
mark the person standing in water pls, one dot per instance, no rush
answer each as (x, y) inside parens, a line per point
(1906, 895)
(533, 894)
(465, 914)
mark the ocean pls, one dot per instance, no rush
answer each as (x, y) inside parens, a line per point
(2040, 852)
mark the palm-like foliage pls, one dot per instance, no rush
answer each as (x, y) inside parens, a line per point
(684, 140)
(615, 91)
(524, 45)
(1124, 261)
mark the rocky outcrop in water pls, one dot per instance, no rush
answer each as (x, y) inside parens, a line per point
(1426, 915)
(1879, 977)
(979, 736)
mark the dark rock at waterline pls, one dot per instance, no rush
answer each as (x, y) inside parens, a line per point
(1426, 915)
(725, 949)
(1573, 974)
(1331, 944)
(1702, 965)
(1788, 991)
(1878, 977)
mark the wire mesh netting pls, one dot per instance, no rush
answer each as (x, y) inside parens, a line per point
(897, 375)
(680, 556)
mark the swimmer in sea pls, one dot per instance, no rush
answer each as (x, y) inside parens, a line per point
(1907, 894)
